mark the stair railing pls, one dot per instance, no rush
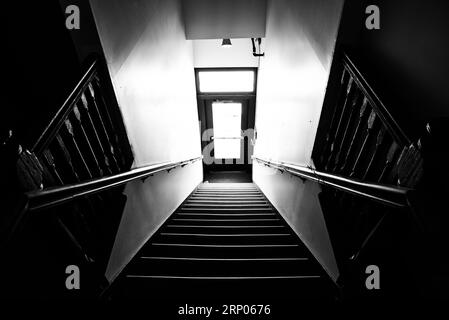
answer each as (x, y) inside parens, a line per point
(87, 138)
(368, 169)
(75, 174)
(43, 199)
(393, 196)
(357, 134)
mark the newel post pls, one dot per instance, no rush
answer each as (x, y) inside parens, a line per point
(20, 172)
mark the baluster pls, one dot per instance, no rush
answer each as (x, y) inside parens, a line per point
(418, 172)
(72, 147)
(66, 160)
(335, 113)
(88, 152)
(49, 161)
(379, 141)
(394, 176)
(72, 144)
(369, 132)
(95, 87)
(95, 112)
(362, 115)
(347, 132)
(351, 87)
(47, 178)
(388, 163)
(101, 154)
(409, 168)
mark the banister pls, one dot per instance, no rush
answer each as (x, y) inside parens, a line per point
(389, 195)
(57, 121)
(42, 199)
(376, 103)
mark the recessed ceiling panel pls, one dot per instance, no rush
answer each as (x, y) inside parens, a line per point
(214, 19)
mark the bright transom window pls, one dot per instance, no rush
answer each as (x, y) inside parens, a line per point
(226, 81)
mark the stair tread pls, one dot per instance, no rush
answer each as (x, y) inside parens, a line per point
(221, 237)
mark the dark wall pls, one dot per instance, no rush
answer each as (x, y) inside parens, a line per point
(41, 65)
(407, 59)
(86, 39)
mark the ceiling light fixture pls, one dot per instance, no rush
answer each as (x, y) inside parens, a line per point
(226, 43)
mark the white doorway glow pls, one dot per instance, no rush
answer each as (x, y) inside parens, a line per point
(227, 123)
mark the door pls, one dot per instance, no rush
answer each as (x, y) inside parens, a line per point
(226, 119)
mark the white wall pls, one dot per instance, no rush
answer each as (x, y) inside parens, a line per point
(210, 53)
(147, 208)
(299, 44)
(300, 38)
(213, 19)
(151, 65)
(298, 203)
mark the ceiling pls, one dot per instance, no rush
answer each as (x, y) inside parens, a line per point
(215, 19)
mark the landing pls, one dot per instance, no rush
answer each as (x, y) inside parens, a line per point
(228, 177)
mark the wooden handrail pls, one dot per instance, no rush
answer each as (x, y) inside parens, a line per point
(42, 199)
(58, 120)
(389, 195)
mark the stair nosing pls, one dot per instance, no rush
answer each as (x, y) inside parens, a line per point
(224, 259)
(224, 227)
(186, 234)
(226, 245)
(224, 278)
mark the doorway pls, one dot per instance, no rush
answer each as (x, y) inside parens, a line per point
(226, 109)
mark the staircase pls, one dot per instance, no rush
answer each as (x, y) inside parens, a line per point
(225, 241)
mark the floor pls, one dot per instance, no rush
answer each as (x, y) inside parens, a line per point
(228, 177)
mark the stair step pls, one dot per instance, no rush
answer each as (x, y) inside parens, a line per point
(225, 215)
(209, 238)
(227, 221)
(227, 290)
(228, 194)
(227, 190)
(219, 205)
(226, 210)
(225, 241)
(227, 201)
(227, 198)
(192, 229)
(209, 267)
(224, 251)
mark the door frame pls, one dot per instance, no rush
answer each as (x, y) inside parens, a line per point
(204, 98)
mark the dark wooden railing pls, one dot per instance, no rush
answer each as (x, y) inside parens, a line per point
(355, 214)
(361, 138)
(73, 178)
(43, 199)
(87, 138)
(368, 169)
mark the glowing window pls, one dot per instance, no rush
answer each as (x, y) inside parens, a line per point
(227, 120)
(226, 81)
